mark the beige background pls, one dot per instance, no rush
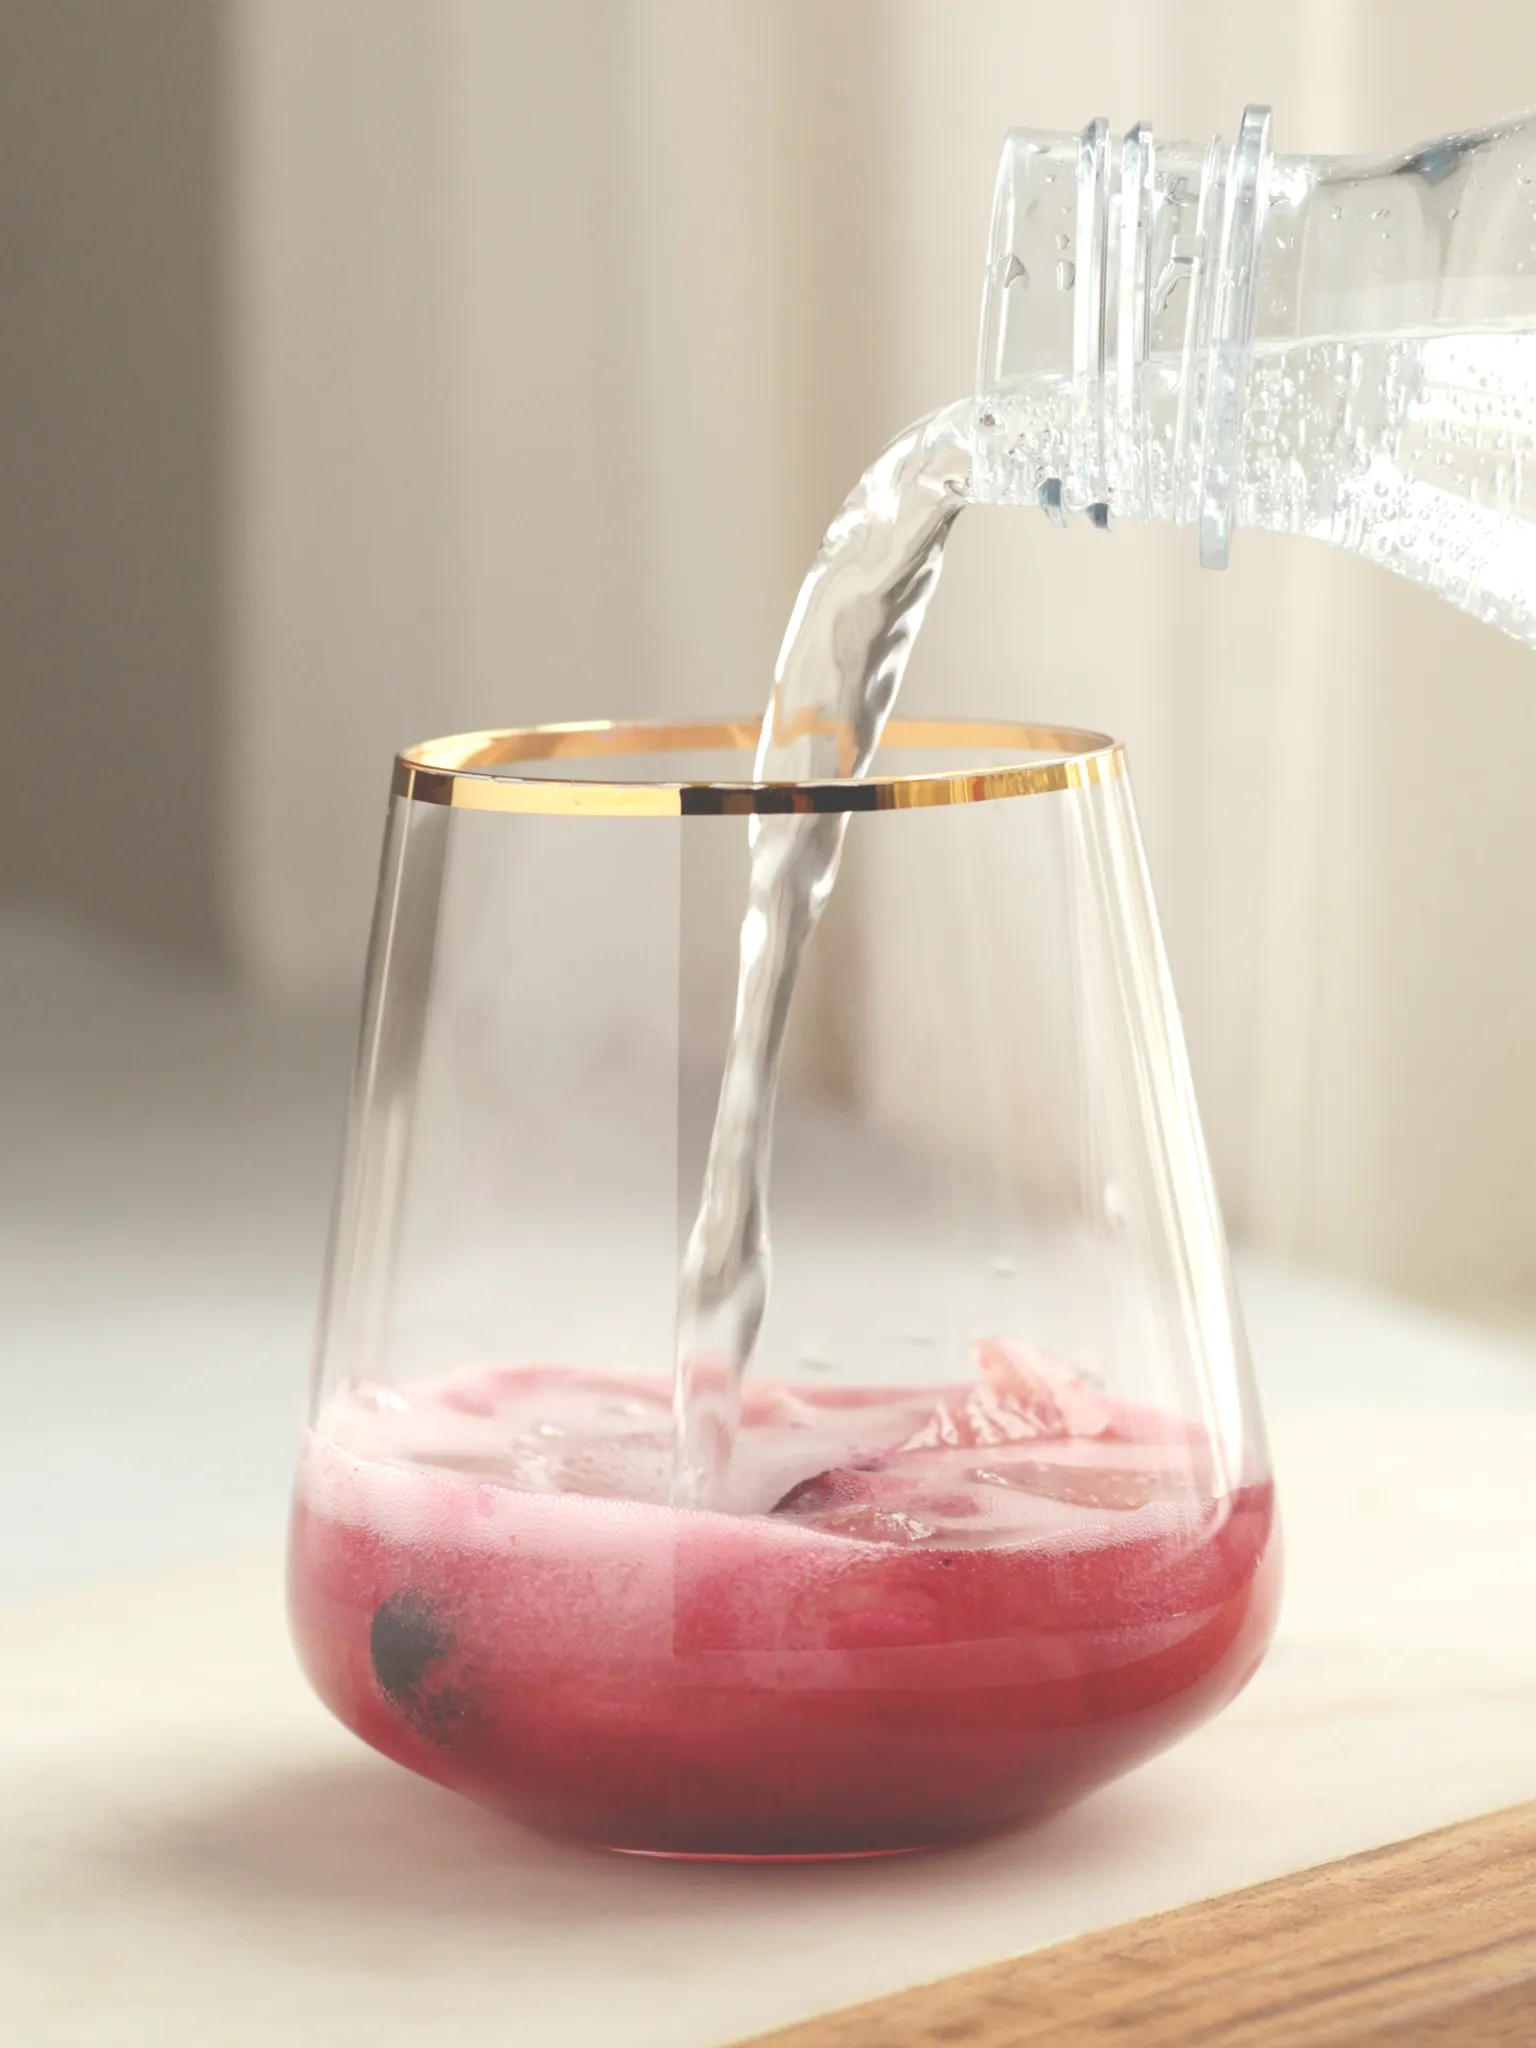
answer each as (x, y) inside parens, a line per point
(379, 367)
(112, 479)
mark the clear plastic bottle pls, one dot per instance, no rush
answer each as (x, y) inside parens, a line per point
(1339, 347)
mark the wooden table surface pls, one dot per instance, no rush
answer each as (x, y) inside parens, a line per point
(1430, 1941)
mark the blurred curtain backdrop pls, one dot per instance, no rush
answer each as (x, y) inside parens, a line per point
(550, 338)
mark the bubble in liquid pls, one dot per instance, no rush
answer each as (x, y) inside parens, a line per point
(383, 1399)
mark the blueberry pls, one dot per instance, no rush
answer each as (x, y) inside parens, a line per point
(410, 1646)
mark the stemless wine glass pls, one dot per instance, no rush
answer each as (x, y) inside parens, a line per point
(998, 1522)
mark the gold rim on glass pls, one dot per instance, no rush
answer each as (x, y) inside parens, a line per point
(457, 771)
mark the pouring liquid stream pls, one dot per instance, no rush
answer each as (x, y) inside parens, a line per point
(845, 652)
(1417, 453)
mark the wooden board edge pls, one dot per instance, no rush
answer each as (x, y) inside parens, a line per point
(1427, 1941)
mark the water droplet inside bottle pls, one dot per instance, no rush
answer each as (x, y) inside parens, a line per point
(1003, 1265)
(1066, 275)
(1063, 242)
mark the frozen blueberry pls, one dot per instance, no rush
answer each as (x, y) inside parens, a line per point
(411, 1648)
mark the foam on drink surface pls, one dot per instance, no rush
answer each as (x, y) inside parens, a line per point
(1027, 1453)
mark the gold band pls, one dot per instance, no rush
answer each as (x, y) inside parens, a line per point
(455, 771)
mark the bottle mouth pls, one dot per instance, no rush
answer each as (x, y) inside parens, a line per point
(1117, 325)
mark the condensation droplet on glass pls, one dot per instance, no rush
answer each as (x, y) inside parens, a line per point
(816, 1358)
(1003, 1265)
(1066, 275)
(1063, 242)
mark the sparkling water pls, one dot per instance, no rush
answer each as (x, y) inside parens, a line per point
(1416, 452)
(844, 654)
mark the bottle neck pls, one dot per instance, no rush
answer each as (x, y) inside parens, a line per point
(1117, 326)
(1130, 286)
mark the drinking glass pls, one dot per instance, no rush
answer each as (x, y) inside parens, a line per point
(998, 1522)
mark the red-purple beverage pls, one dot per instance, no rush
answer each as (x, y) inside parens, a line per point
(928, 1613)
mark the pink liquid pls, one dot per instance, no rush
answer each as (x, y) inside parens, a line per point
(931, 1613)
